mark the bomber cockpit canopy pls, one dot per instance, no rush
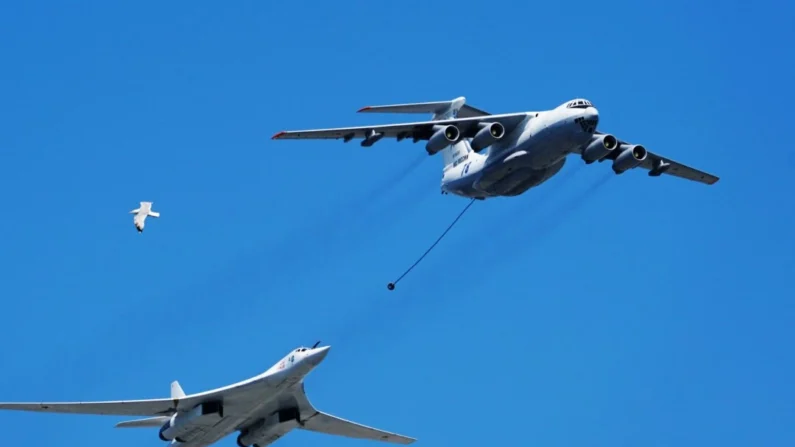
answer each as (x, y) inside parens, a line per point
(579, 104)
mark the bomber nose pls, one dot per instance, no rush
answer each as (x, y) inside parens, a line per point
(318, 354)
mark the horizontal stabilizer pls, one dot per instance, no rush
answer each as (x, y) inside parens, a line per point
(332, 425)
(414, 107)
(154, 214)
(156, 421)
(433, 107)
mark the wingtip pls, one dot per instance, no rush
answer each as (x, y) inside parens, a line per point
(365, 108)
(278, 134)
(714, 181)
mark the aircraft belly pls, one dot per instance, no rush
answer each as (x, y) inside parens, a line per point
(499, 171)
(244, 408)
(536, 180)
(464, 187)
(276, 432)
(202, 436)
(545, 148)
(514, 178)
(196, 434)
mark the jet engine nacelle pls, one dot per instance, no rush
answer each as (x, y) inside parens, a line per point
(488, 134)
(269, 429)
(182, 422)
(443, 136)
(168, 429)
(630, 157)
(599, 148)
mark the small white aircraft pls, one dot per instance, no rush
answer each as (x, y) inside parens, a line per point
(263, 409)
(525, 148)
(141, 213)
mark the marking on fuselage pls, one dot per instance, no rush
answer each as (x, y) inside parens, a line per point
(587, 125)
(460, 160)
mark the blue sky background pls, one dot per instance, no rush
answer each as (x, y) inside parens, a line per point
(596, 310)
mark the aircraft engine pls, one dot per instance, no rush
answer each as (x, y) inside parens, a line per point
(599, 148)
(630, 157)
(488, 134)
(166, 429)
(268, 430)
(182, 422)
(443, 136)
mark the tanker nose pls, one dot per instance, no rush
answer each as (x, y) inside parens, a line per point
(588, 120)
(592, 114)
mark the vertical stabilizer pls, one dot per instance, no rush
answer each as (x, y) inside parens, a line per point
(450, 110)
(176, 390)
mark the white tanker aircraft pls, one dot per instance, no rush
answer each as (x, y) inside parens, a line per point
(262, 409)
(525, 149)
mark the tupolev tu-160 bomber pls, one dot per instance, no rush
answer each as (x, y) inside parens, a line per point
(525, 149)
(262, 409)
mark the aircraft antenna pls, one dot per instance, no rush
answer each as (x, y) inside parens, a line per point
(391, 286)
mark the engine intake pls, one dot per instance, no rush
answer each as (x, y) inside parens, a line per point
(165, 429)
(442, 137)
(600, 147)
(629, 158)
(488, 134)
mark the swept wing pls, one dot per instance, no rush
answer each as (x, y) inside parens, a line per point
(420, 130)
(149, 407)
(332, 425)
(657, 165)
(320, 422)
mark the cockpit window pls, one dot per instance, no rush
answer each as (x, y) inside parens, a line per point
(579, 104)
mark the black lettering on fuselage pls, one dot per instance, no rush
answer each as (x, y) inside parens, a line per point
(460, 160)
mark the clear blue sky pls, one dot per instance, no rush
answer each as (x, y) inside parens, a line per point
(597, 310)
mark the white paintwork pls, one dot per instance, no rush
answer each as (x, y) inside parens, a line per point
(253, 406)
(533, 147)
(141, 213)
